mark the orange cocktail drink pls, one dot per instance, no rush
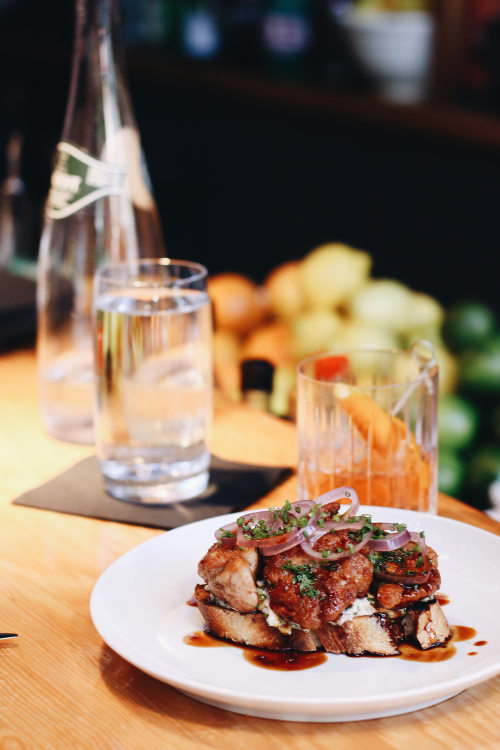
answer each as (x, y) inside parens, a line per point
(368, 419)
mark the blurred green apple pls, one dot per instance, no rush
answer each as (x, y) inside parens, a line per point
(331, 273)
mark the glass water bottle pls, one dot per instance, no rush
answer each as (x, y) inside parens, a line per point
(99, 209)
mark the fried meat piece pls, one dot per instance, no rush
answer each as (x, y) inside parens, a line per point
(405, 561)
(230, 574)
(395, 595)
(310, 592)
(331, 508)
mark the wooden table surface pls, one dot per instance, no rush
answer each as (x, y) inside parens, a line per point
(62, 687)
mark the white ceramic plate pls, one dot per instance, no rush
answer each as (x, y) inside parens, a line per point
(138, 606)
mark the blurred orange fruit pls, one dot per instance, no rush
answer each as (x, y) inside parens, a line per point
(286, 296)
(239, 304)
(271, 341)
(226, 351)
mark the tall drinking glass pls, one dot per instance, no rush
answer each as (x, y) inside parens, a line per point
(368, 419)
(153, 374)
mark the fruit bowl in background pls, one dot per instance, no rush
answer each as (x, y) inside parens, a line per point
(394, 48)
(326, 301)
(329, 301)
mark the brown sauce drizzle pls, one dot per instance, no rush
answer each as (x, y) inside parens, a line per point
(204, 639)
(285, 661)
(439, 653)
(290, 661)
(463, 633)
(442, 599)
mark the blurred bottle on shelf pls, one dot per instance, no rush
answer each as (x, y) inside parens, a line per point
(288, 37)
(333, 61)
(99, 208)
(201, 35)
(149, 23)
(243, 21)
(17, 251)
(257, 383)
(482, 53)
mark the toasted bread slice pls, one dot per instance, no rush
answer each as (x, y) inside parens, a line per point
(247, 629)
(302, 640)
(366, 634)
(426, 624)
(377, 634)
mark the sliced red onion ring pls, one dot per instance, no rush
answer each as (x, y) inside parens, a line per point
(308, 548)
(286, 541)
(274, 542)
(300, 507)
(411, 579)
(268, 542)
(403, 580)
(418, 539)
(318, 532)
(235, 528)
(283, 546)
(396, 540)
(313, 534)
(227, 540)
(339, 494)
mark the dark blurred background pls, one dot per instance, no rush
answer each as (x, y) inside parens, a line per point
(273, 126)
(264, 141)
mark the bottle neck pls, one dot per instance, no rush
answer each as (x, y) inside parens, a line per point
(98, 102)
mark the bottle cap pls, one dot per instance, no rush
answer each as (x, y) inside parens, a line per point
(257, 375)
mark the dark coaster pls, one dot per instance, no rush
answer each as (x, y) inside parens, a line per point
(79, 491)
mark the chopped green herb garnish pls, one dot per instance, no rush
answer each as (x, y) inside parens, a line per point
(305, 577)
(226, 534)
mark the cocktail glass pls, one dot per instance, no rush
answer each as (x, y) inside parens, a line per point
(368, 419)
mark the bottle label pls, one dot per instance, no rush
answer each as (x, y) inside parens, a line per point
(79, 179)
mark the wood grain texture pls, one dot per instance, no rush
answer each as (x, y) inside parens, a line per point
(61, 687)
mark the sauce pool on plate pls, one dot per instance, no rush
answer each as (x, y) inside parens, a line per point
(291, 661)
(440, 653)
(284, 661)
